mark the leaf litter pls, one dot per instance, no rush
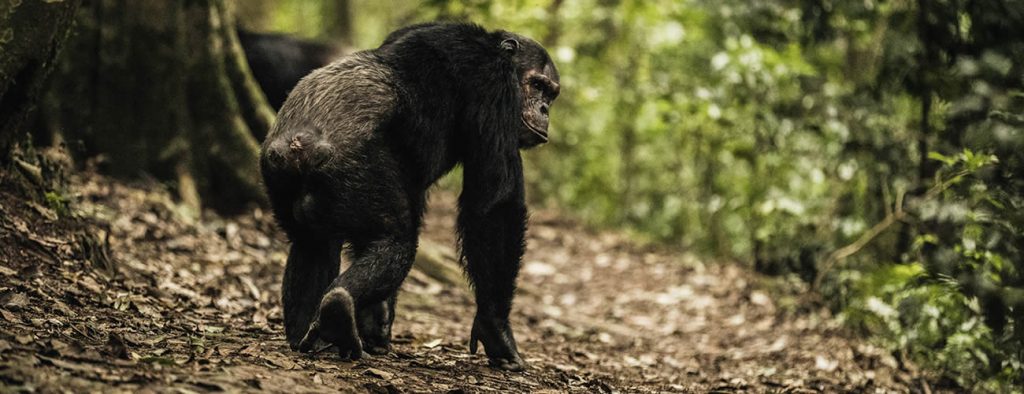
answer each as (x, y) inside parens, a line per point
(156, 300)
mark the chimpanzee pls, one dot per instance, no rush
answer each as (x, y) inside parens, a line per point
(278, 61)
(354, 150)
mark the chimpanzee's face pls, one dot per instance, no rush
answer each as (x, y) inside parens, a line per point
(539, 84)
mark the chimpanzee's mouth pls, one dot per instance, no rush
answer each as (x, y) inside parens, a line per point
(538, 131)
(542, 134)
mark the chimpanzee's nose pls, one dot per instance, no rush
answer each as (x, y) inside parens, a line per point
(544, 108)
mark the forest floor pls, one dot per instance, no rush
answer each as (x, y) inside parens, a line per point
(166, 303)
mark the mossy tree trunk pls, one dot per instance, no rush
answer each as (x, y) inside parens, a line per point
(31, 35)
(339, 25)
(162, 88)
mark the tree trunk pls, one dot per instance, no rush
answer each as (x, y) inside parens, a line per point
(338, 27)
(255, 15)
(31, 34)
(163, 88)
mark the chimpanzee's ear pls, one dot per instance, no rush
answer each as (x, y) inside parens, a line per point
(510, 45)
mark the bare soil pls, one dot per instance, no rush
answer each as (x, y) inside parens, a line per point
(129, 294)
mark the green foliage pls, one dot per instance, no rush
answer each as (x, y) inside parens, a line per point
(931, 320)
(57, 202)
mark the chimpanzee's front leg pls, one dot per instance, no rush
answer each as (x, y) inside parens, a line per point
(492, 246)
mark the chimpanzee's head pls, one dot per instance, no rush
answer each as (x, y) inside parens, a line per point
(538, 79)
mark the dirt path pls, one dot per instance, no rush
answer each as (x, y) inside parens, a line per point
(193, 307)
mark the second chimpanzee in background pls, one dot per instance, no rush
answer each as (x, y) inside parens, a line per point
(354, 150)
(278, 61)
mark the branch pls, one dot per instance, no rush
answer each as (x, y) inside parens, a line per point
(851, 249)
(892, 216)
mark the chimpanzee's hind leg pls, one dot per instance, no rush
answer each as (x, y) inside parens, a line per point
(312, 265)
(377, 270)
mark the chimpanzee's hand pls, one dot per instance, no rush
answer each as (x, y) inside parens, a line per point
(499, 344)
(335, 324)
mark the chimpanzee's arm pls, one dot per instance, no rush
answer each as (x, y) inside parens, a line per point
(492, 223)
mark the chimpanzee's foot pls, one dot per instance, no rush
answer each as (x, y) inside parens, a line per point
(335, 324)
(375, 328)
(376, 345)
(499, 344)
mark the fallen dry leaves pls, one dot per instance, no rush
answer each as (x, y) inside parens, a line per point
(173, 303)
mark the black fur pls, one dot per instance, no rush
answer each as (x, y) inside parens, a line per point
(278, 61)
(353, 152)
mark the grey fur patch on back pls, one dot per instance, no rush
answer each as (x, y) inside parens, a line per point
(344, 101)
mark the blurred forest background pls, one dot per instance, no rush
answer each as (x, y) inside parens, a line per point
(869, 153)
